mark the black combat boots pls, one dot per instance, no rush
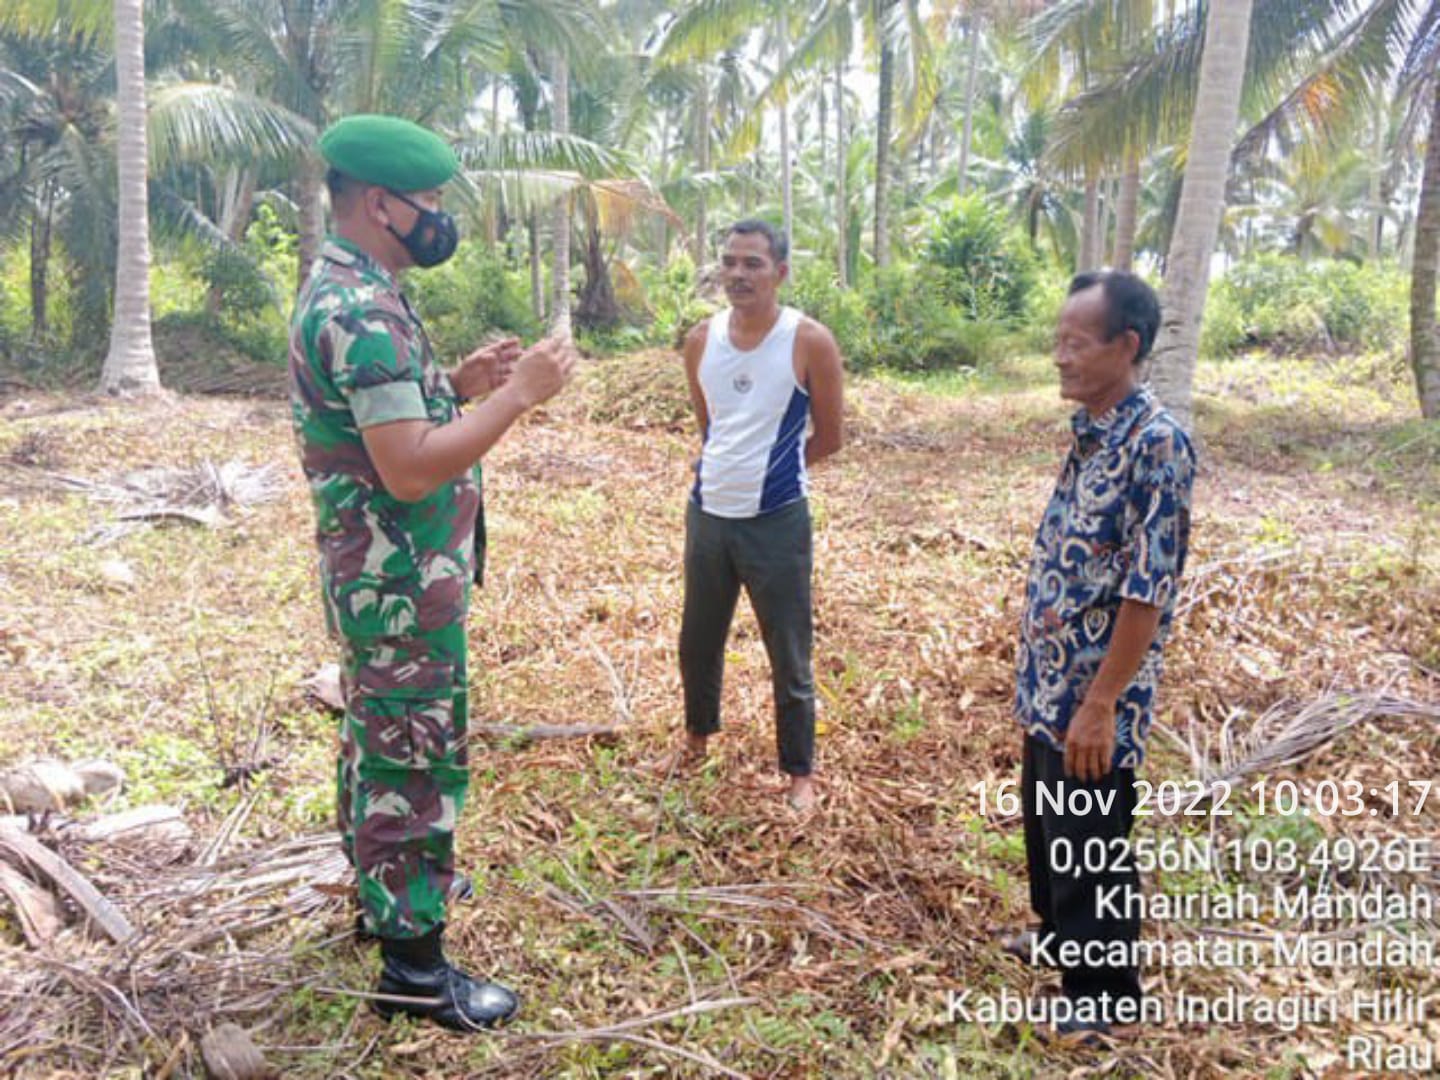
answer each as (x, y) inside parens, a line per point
(416, 968)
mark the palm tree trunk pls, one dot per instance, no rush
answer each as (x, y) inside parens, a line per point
(598, 308)
(1109, 194)
(1424, 329)
(311, 215)
(560, 227)
(1202, 202)
(962, 176)
(41, 224)
(130, 366)
(237, 199)
(702, 147)
(1088, 257)
(661, 219)
(882, 155)
(1126, 211)
(492, 206)
(537, 278)
(1376, 233)
(842, 225)
(786, 173)
(823, 122)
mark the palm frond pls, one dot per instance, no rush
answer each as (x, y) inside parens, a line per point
(569, 27)
(1423, 57)
(16, 90)
(618, 202)
(715, 181)
(1150, 102)
(249, 33)
(475, 29)
(198, 122)
(70, 19)
(376, 42)
(708, 27)
(744, 139)
(523, 188)
(830, 34)
(541, 150)
(175, 216)
(1341, 84)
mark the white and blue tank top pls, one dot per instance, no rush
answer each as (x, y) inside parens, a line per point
(753, 460)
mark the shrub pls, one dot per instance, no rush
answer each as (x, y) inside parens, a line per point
(989, 267)
(470, 298)
(912, 326)
(15, 306)
(1282, 304)
(815, 289)
(627, 337)
(675, 303)
(241, 284)
(253, 282)
(1042, 312)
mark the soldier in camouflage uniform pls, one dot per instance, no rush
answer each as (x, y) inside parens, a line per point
(393, 469)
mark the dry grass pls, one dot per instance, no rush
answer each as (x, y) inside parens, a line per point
(745, 940)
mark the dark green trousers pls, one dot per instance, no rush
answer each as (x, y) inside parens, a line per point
(770, 557)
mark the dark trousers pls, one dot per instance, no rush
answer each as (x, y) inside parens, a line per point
(1066, 903)
(771, 557)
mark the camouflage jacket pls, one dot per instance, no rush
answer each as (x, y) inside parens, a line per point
(359, 357)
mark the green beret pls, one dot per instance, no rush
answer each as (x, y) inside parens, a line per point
(389, 151)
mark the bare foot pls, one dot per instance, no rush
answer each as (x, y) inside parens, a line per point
(696, 746)
(801, 796)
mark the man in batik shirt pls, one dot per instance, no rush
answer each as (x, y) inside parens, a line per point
(1101, 594)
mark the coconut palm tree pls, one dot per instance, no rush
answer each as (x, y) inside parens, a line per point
(706, 28)
(1310, 65)
(1387, 50)
(197, 120)
(902, 37)
(1202, 201)
(64, 127)
(560, 235)
(1083, 43)
(1315, 201)
(1029, 183)
(130, 366)
(55, 169)
(1424, 329)
(823, 49)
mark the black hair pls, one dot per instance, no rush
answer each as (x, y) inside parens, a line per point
(779, 244)
(340, 184)
(1130, 303)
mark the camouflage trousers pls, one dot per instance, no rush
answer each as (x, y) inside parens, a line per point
(402, 774)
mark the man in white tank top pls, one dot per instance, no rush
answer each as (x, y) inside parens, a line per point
(760, 374)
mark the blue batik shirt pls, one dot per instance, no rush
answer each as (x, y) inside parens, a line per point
(1116, 529)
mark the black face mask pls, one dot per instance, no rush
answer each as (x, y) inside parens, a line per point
(433, 238)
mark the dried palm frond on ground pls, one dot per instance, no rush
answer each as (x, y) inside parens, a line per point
(1288, 732)
(638, 391)
(205, 494)
(192, 958)
(218, 943)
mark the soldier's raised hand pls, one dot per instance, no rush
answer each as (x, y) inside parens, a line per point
(486, 369)
(543, 370)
